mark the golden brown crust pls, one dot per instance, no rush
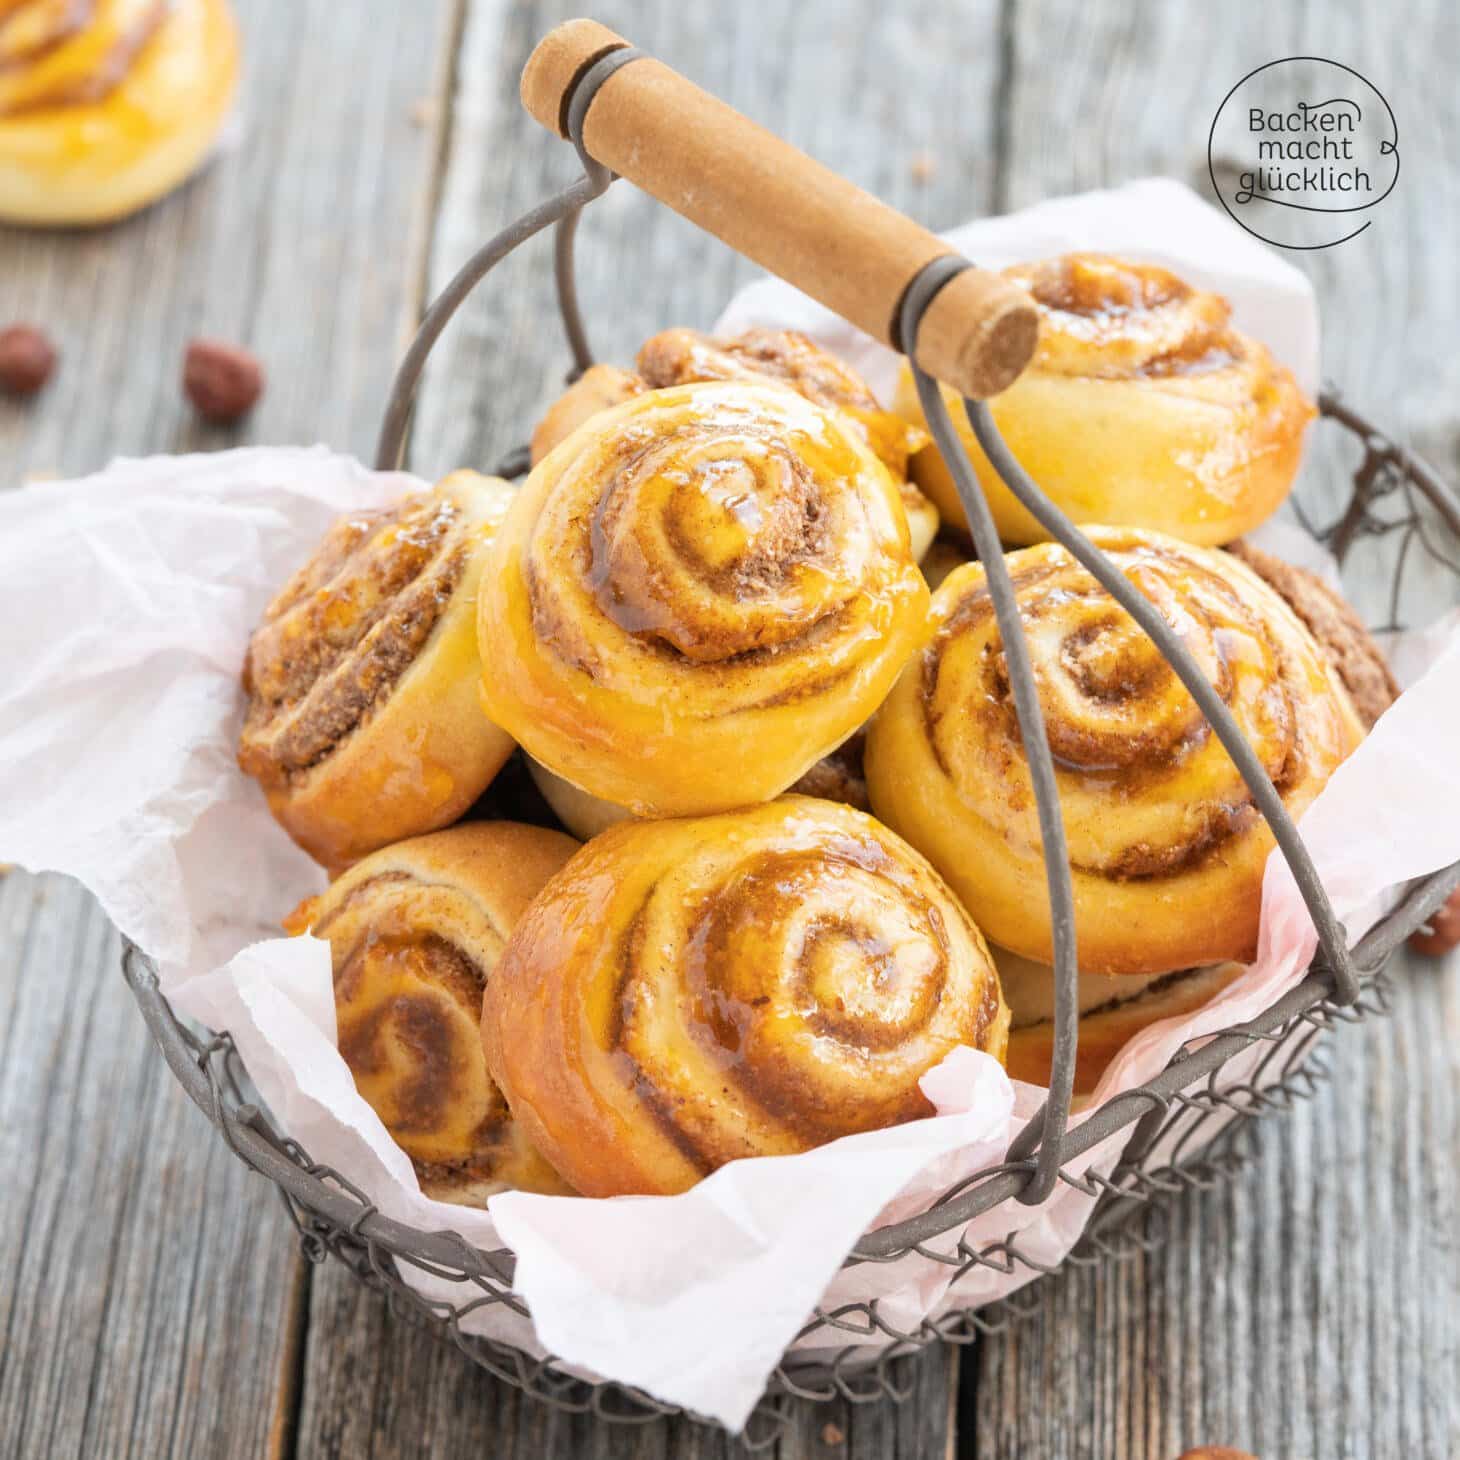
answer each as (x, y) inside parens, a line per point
(1143, 407)
(696, 596)
(1166, 847)
(415, 932)
(584, 815)
(837, 776)
(682, 356)
(679, 356)
(1340, 632)
(599, 388)
(105, 105)
(363, 723)
(1112, 1012)
(687, 992)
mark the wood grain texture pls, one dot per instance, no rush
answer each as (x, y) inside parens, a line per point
(300, 242)
(381, 1389)
(144, 1267)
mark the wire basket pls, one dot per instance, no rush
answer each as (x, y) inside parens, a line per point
(1188, 1128)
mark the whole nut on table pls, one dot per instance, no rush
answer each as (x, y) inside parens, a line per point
(27, 359)
(222, 381)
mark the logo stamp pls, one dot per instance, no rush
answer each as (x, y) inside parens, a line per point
(1301, 149)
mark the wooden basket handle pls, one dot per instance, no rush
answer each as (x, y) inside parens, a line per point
(780, 208)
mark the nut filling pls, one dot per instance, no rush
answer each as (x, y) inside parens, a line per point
(338, 638)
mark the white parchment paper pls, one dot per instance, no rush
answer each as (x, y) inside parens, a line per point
(126, 604)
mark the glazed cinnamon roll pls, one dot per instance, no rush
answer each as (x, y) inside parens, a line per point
(415, 932)
(105, 105)
(682, 356)
(364, 723)
(696, 596)
(1143, 407)
(687, 992)
(1113, 1010)
(1166, 846)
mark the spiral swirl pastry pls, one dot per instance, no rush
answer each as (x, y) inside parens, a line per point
(685, 993)
(1166, 846)
(105, 105)
(415, 932)
(696, 596)
(1143, 407)
(1113, 1010)
(682, 356)
(364, 723)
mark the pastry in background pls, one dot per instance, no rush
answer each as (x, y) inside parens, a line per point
(1166, 845)
(1340, 632)
(1113, 1010)
(941, 559)
(584, 815)
(415, 932)
(837, 776)
(364, 722)
(682, 356)
(107, 105)
(687, 992)
(598, 389)
(1143, 407)
(696, 596)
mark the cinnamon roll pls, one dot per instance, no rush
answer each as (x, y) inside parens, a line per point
(415, 933)
(683, 356)
(364, 723)
(1358, 661)
(1113, 1010)
(1166, 846)
(684, 993)
(1143, 407)
(598, 389)
(696, 596)
(105, 105)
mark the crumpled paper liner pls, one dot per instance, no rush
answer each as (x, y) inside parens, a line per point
(127, 602)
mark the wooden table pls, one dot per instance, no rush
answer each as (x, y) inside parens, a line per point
(151, 1301)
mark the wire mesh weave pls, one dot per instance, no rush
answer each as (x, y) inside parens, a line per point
(1189, 1128)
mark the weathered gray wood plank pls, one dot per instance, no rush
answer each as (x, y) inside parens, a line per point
(302, 243)
(380, 1389)
(1313, 1308)
(150, 1302)
(835, 84)
(145, 1271)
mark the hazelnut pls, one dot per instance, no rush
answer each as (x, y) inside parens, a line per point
(27, 359)
(222, 381)
(1444, 929)
(832, 1435)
